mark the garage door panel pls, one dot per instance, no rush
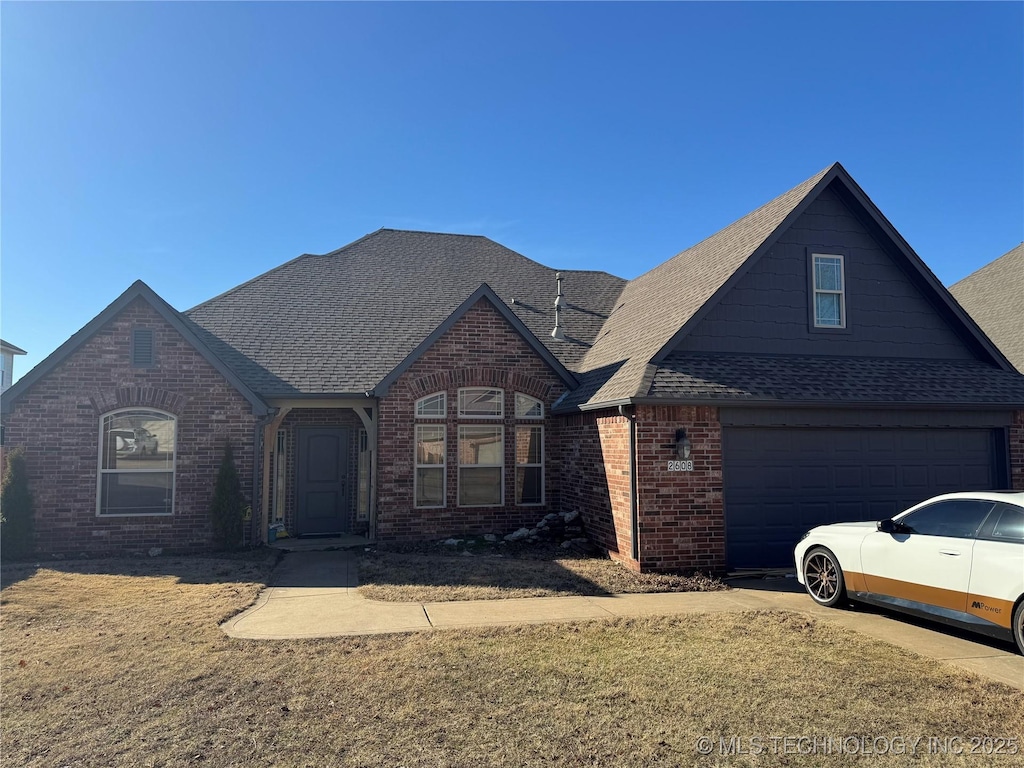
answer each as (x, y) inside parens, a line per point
(780, 482)
(814, 478)
(843, 442)
(916, 476)
(779, 477)
(974, 477)
(882, 476)
(848, 477)
(946, 445)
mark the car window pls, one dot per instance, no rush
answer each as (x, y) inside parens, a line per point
(959, 518)
(1009, 523)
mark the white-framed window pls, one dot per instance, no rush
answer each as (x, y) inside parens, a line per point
(136, 463)
(429, 482)
(528, 407)
(432, 406)
(481, 465)
(829, 291)
(529, 464)
(481, 403)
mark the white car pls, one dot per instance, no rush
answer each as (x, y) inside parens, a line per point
(956, 558)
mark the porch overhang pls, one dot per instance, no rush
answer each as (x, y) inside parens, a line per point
(364, 407)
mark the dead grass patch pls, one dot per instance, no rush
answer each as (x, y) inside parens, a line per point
(102, 668)
(427, 576)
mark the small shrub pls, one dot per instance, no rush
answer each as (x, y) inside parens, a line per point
(16, 508)
(228, 507)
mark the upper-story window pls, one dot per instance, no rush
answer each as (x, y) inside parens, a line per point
(432, 406)
(829, 291)
(481, 403)
(528, 407)
(136, 474)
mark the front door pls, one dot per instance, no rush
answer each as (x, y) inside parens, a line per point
(322, 492)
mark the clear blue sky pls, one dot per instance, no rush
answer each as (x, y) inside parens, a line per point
(197, 145)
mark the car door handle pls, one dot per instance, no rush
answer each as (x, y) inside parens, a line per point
(949, 553)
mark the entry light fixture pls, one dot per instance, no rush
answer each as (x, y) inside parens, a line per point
(683, 445)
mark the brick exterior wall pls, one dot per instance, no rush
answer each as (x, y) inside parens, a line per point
(595, 478)
(481, 349)
(57, 421)
(682, 523)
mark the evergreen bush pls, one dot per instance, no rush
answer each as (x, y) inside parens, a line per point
(228, 507)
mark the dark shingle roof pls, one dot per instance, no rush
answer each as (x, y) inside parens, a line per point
(339, 323)
(833, 380)
(654, 306)
(994, 297)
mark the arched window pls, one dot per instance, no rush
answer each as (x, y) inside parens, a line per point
(136, 463)
(432, 406)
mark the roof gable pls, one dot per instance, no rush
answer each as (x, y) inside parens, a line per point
(138, 290)
(661, 307)
(485, 293)
(769, 310)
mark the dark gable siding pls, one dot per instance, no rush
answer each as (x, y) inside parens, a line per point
(767, 310)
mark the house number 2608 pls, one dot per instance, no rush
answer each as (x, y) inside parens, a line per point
(681, 466)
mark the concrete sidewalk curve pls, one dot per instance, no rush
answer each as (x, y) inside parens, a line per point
(315, 596)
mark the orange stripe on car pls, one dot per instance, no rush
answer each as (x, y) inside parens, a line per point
(993, 609)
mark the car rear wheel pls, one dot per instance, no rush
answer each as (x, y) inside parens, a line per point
(824, 578)
(1018, 626)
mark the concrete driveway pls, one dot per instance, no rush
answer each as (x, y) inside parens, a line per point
(313, 594)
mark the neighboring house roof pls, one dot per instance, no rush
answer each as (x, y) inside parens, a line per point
(340, 323)
(994, 297)
(11, 349)
(137, 290)
(660, 307)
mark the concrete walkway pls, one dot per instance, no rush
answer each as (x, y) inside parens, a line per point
(314, 595)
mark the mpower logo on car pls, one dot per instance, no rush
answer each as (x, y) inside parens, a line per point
(977, 604)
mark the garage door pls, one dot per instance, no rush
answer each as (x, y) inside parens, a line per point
(779, 483)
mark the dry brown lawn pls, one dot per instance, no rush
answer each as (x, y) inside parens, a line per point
(429, 576)
(121, 663)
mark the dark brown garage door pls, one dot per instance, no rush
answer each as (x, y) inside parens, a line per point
(779, 483)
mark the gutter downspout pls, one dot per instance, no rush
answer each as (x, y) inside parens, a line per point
(634, 516)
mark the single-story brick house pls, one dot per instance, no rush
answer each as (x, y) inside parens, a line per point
(801, 366)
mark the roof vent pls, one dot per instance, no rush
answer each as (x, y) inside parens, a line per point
(557, 334)
(142, 348)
